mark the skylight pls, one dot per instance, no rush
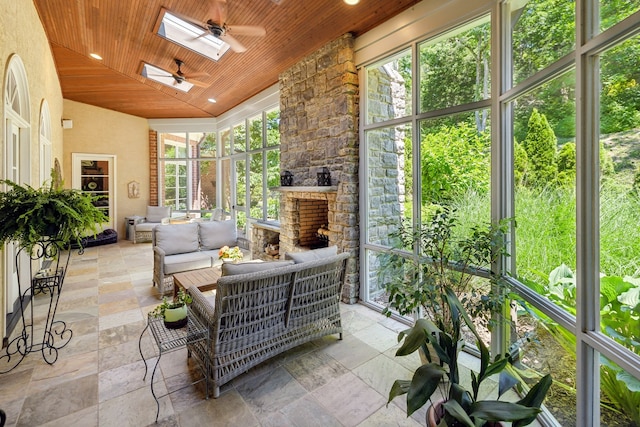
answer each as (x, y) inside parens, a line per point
(191, 36)
(166, 78)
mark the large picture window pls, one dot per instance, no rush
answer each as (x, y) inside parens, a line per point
(550, 141)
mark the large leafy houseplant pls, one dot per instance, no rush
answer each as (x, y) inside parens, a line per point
(444, 261)
(459, 406)
(31, 215)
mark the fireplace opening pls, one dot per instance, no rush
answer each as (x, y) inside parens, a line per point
(313, 223)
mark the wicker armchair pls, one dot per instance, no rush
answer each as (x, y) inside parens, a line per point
(259, 315)
(155, 215)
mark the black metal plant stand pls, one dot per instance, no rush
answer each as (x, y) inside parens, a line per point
(48, 280)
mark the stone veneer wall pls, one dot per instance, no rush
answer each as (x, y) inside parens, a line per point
(319, 128)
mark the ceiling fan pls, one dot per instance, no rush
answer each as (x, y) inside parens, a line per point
(217, 25)
(180, 77)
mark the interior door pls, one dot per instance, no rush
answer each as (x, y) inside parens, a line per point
(94, 174)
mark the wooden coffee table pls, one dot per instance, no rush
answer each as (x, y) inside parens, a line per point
(204, 279)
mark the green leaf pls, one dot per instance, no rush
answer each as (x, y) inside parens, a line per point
(495, 410)
(398, 388)
(423, 384)
(457, 412)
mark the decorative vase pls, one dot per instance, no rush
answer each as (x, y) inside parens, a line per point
(175, 318)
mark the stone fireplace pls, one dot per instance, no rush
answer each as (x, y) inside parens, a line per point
(319, 129)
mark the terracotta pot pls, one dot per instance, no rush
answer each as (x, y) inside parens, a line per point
(436, 412)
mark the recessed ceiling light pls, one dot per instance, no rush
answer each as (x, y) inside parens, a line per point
(351, 2)
(211, 100)
(96, 56)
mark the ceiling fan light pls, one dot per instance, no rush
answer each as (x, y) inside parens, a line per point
(96, 56)
(211, 100)
(352, 2)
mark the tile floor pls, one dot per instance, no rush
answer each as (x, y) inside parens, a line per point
(97, 379)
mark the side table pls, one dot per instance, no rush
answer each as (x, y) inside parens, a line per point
(168, 340)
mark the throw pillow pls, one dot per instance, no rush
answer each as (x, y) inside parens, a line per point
(216, 234)
(177, 238)
(312, 255)
(229, 268)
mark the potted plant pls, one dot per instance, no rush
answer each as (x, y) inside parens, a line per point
(417, 283)
(31, 215)
(460, 407)
(173, 312)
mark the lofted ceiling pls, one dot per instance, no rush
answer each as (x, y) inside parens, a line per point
(122, 33)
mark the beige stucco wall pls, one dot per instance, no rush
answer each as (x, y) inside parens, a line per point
(22, 34)
(100, 131)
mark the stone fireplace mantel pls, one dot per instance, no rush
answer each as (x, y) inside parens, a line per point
(307, 189)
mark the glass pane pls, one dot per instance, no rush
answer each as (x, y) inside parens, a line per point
(173, 145)
(614, 11)
(620, 193)
(273, 127)
(456, 70)
(255, 132)
(203, 193)
(207, 145)
(543, 347)
(241, 223)
(240, 138)
(545, 201)
(619, 396)
(241, 183)
(273, 180)
(255, 188)
(389, 181)
(225, 139)
(175, 190)
(543, 32)
(455, 165)
(226, 185)
(389, 89)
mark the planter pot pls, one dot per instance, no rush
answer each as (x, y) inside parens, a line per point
(436, 412)
(175, 318)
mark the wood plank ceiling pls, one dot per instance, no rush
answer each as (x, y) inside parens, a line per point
(122, 32)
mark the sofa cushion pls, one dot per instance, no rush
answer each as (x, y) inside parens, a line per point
(184, 262)
(157, 213)
(312, 255)
(229, 268)
(177, 238)
(216, 234)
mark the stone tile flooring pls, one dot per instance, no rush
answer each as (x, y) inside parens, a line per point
(97, 379)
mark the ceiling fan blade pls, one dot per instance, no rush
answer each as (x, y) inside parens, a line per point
(197, 74)
(236, 46)
(246, 30)
(218, 11)
(198, 83)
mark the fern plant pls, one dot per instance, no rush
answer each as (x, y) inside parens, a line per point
(30, 215)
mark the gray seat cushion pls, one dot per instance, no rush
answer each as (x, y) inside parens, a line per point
(184, 262)
(216, 234)
(229, 268)
(145, 226)
(312, 255)
(177, 238)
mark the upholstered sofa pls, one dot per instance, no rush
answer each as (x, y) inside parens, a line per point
(190, 246)
(258, 315)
